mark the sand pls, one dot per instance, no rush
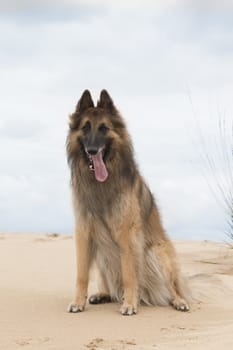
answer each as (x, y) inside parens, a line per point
(37, 274)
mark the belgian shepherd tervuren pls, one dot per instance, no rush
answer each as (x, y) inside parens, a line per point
(118, 225)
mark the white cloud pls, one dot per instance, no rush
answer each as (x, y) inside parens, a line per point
(193, 4)
(27, 4)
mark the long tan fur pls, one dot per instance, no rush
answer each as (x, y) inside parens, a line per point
(118, 225)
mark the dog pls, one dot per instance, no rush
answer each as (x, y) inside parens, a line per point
(118, 225)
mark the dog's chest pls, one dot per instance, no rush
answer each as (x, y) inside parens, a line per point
(104, 238)
(106, 248)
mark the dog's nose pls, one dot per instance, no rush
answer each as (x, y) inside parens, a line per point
(92, 150)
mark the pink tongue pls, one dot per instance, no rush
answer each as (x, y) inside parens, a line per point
(101, 172)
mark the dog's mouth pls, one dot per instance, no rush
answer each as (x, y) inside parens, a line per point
(96, 164)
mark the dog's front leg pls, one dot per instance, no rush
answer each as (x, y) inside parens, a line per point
(83, 259)
(130, 282)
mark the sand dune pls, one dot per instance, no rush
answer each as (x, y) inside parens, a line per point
(37, 275)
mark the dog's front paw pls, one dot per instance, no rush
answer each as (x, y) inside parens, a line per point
(128, 310)
(74, 307)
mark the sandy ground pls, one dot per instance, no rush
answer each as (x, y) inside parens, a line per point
(37, 274)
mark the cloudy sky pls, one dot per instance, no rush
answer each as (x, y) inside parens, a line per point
(169, 68)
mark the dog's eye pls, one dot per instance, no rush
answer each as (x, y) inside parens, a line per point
(86, 127)
(103, 128)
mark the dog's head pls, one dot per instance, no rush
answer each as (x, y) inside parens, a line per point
(95, 133)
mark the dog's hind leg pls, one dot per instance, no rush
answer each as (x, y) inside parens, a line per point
(177, 300)
(167, 257)
(103, 296)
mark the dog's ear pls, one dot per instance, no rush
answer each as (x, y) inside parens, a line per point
(106, 102)
(85, 102)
